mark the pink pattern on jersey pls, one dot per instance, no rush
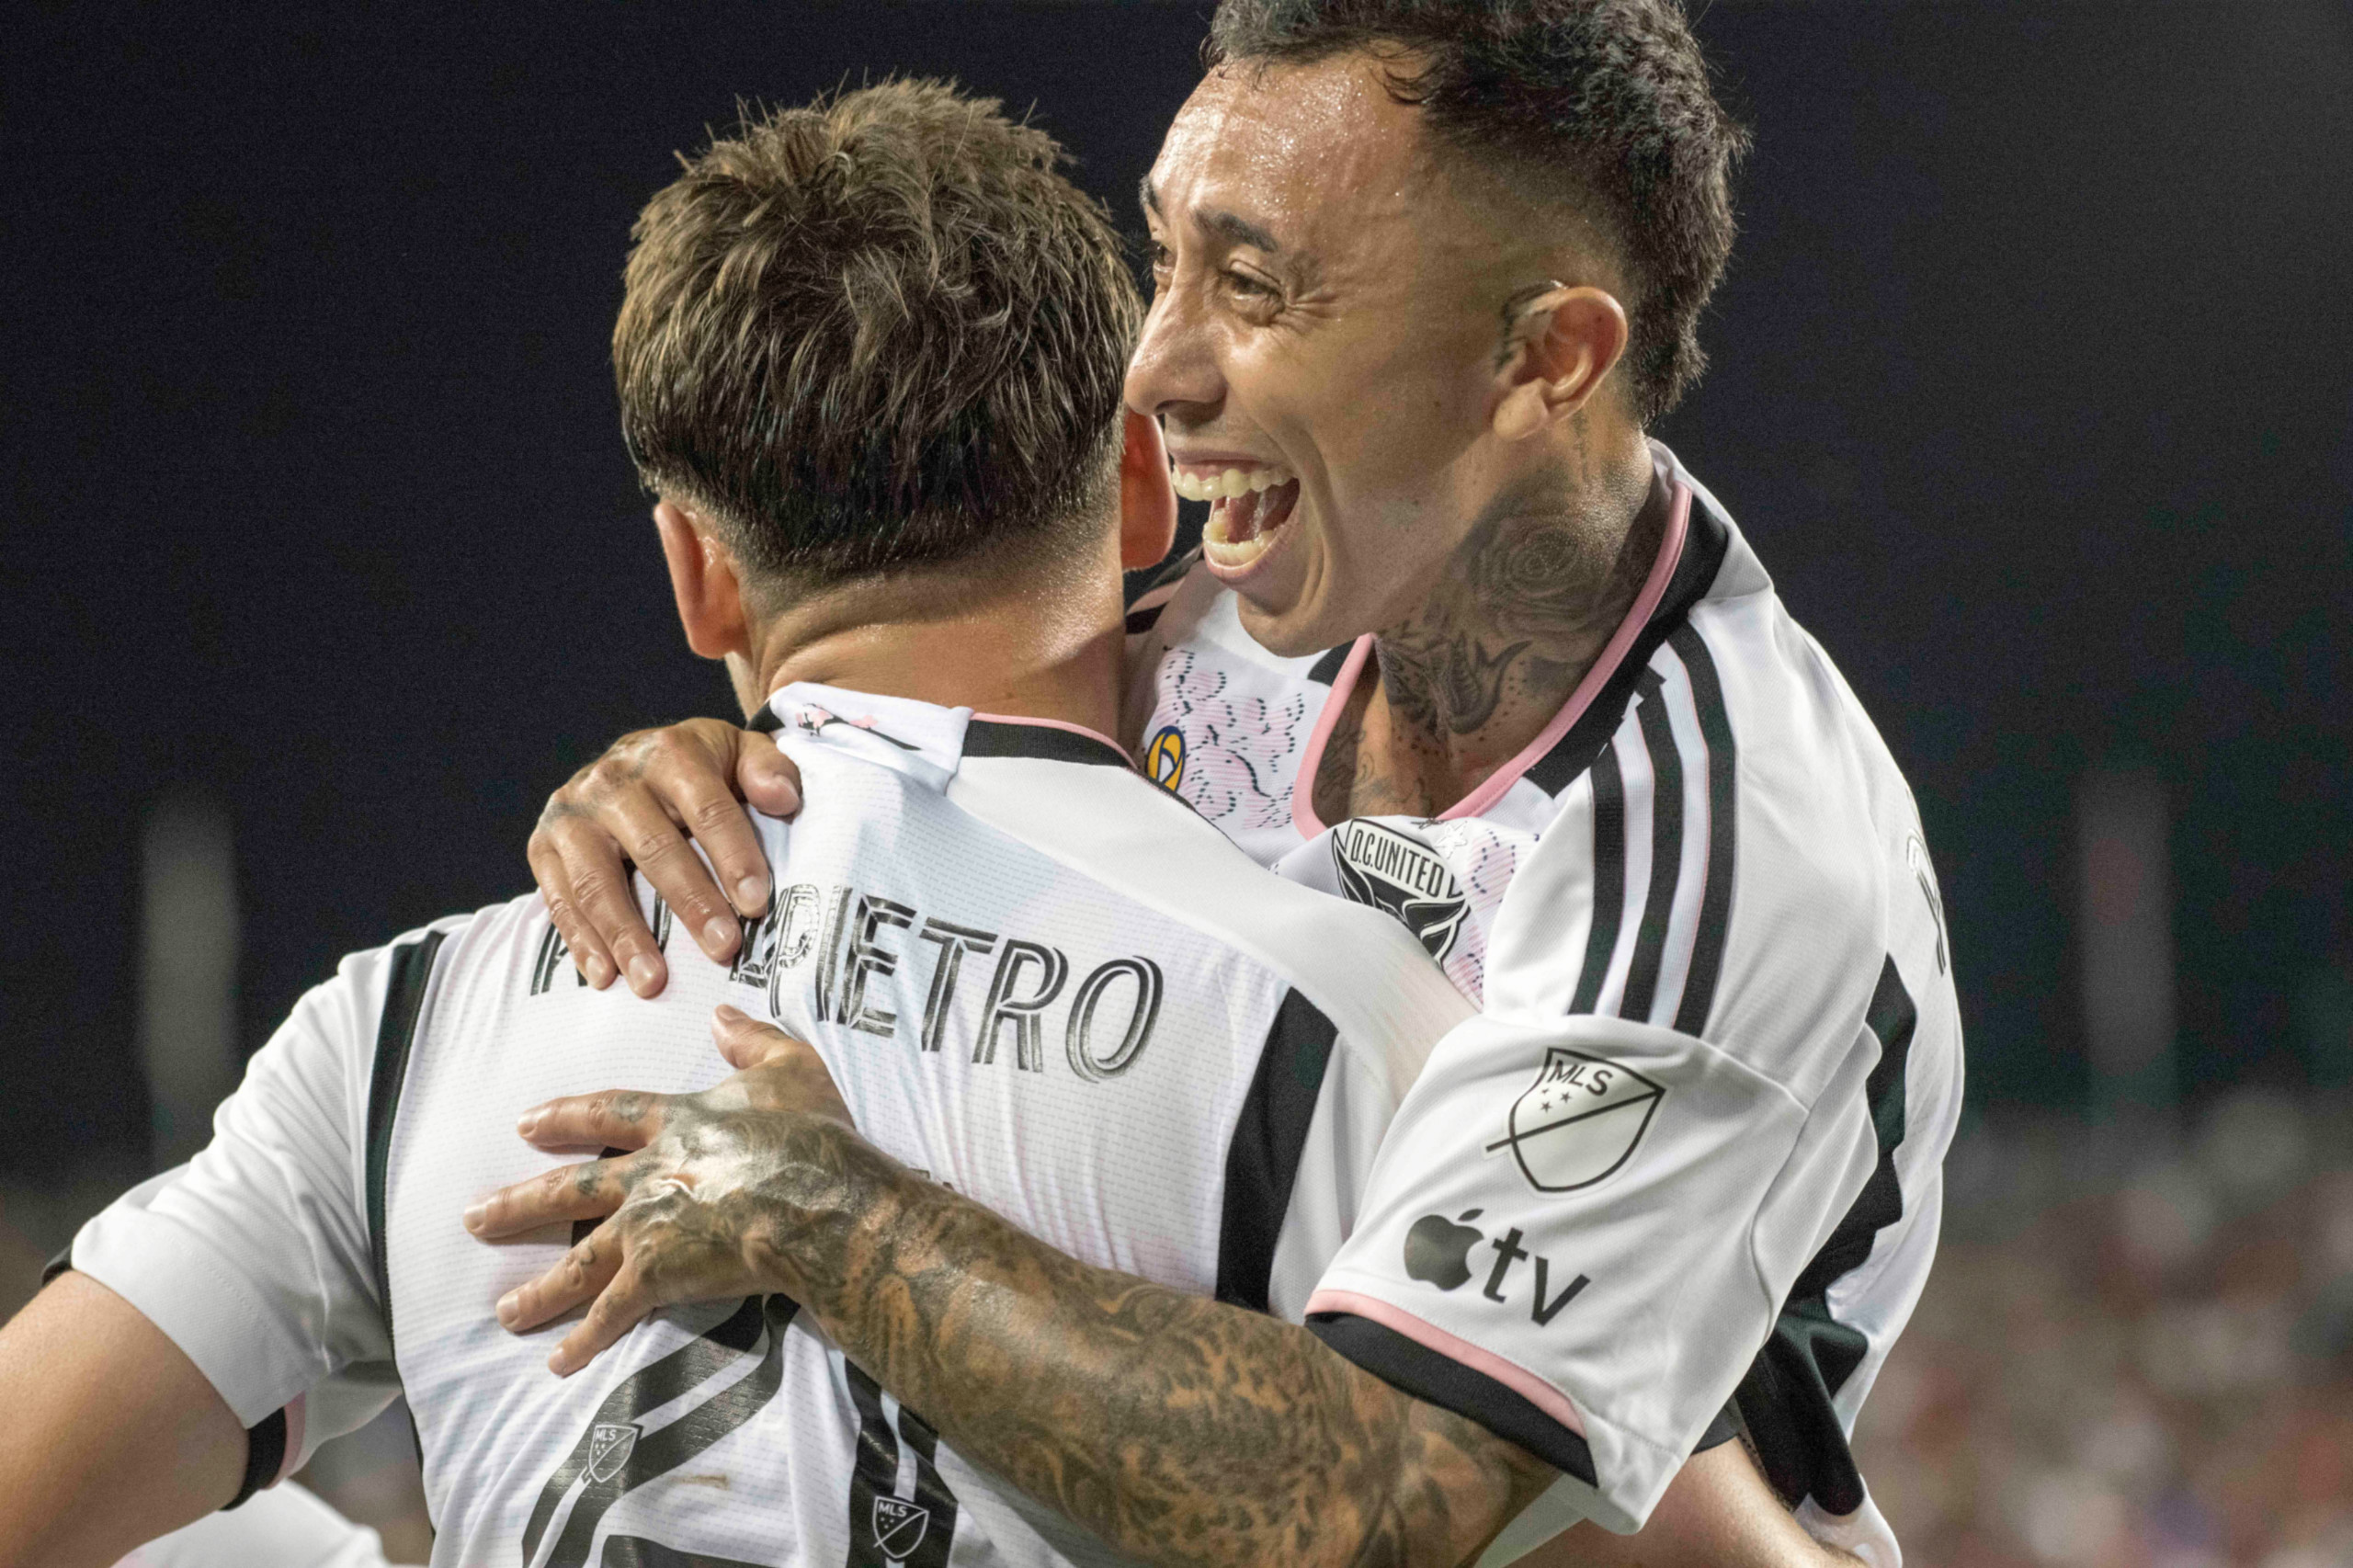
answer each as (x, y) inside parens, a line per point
(1235, 746)
(1483, 858)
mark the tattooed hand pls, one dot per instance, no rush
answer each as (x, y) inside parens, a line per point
(691, 1208)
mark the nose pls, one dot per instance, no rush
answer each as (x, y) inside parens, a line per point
(1175, 371)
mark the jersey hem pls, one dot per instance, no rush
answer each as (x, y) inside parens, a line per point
(1405, 1362)
(1555, 1405)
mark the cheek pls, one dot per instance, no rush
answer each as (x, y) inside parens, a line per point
(1401, 415)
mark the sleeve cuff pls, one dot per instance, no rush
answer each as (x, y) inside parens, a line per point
(1435, 1378)
(179, 1285)
(264, 1456)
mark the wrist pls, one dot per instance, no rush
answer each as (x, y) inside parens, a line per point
(821, 1208)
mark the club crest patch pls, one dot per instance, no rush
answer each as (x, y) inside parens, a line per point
(1164, 758)
(610, 1445)
(1401, 876)
(1578, 1122)
(899, 1525)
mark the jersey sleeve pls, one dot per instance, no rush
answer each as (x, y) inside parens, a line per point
(255, 1258)
(285, 1527)
(1578, 1232)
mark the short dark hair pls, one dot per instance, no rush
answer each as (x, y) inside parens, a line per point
(1605, 102)
(876, 332)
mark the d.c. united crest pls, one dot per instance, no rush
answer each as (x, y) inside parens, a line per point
(1399, 874)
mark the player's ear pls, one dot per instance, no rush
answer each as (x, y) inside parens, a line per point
(1147, 500)
(703, 580)
(1560, 346)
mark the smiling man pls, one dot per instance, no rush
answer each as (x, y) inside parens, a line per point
(1465, 645)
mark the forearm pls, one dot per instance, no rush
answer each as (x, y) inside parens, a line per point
(113, 1436)
(1181, 1430)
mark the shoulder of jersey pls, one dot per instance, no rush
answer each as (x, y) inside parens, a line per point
(1364, 971)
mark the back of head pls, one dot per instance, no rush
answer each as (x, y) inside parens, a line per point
(877, 332)
(1601, 104)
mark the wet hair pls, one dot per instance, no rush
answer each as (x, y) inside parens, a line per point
(1601, 106)
(878, 332)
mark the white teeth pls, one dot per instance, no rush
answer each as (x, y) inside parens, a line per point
(1228, 484)
(1231, 552)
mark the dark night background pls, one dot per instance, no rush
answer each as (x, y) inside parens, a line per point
(2032, 387)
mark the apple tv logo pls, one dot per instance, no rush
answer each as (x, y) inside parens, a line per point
(1438, 1252)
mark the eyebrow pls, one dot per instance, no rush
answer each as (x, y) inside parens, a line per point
(1233, 226)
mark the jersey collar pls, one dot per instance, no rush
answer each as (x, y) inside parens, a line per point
(920, 739)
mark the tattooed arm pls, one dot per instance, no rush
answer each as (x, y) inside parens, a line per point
(1180, 1430)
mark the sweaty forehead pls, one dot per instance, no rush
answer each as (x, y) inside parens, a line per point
(1314, 152)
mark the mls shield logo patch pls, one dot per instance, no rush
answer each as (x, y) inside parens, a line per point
(1578, 1121)
(899, 1525)
(610, 1445)
(1402, 876)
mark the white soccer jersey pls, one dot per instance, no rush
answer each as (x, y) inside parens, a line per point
(1694, 1144)
(286, 1527)
(1034, 977)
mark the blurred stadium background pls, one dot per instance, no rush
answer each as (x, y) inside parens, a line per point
(2033, 383)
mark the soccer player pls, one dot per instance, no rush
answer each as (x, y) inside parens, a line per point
(1466, 647)
(869, 357)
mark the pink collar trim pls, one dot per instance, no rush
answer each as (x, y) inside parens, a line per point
(1613, 654)
(1058, 724)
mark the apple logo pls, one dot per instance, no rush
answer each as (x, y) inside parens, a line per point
(1439, 1251)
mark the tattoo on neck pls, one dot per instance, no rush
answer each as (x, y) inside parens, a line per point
(1531, 597)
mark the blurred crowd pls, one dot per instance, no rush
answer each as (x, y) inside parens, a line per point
(2136, 1350)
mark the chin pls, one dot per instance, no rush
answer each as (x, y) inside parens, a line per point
(1291, 632)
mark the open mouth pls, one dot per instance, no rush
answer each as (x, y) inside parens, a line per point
(1247, 509)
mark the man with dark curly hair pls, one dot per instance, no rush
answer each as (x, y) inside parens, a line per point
(1462, 644)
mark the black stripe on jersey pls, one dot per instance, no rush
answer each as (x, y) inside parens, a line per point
(1786, 1398)
(984, 737)
(411, 969)
(651, 1455)
(1724, 832)
(1442, 1380)
(1262, 1162)
(765, 720)
(1666, 850)
(1609, 878)
(1705, 541)
(636, 1551)
(1326, 668)
(886, 1529)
